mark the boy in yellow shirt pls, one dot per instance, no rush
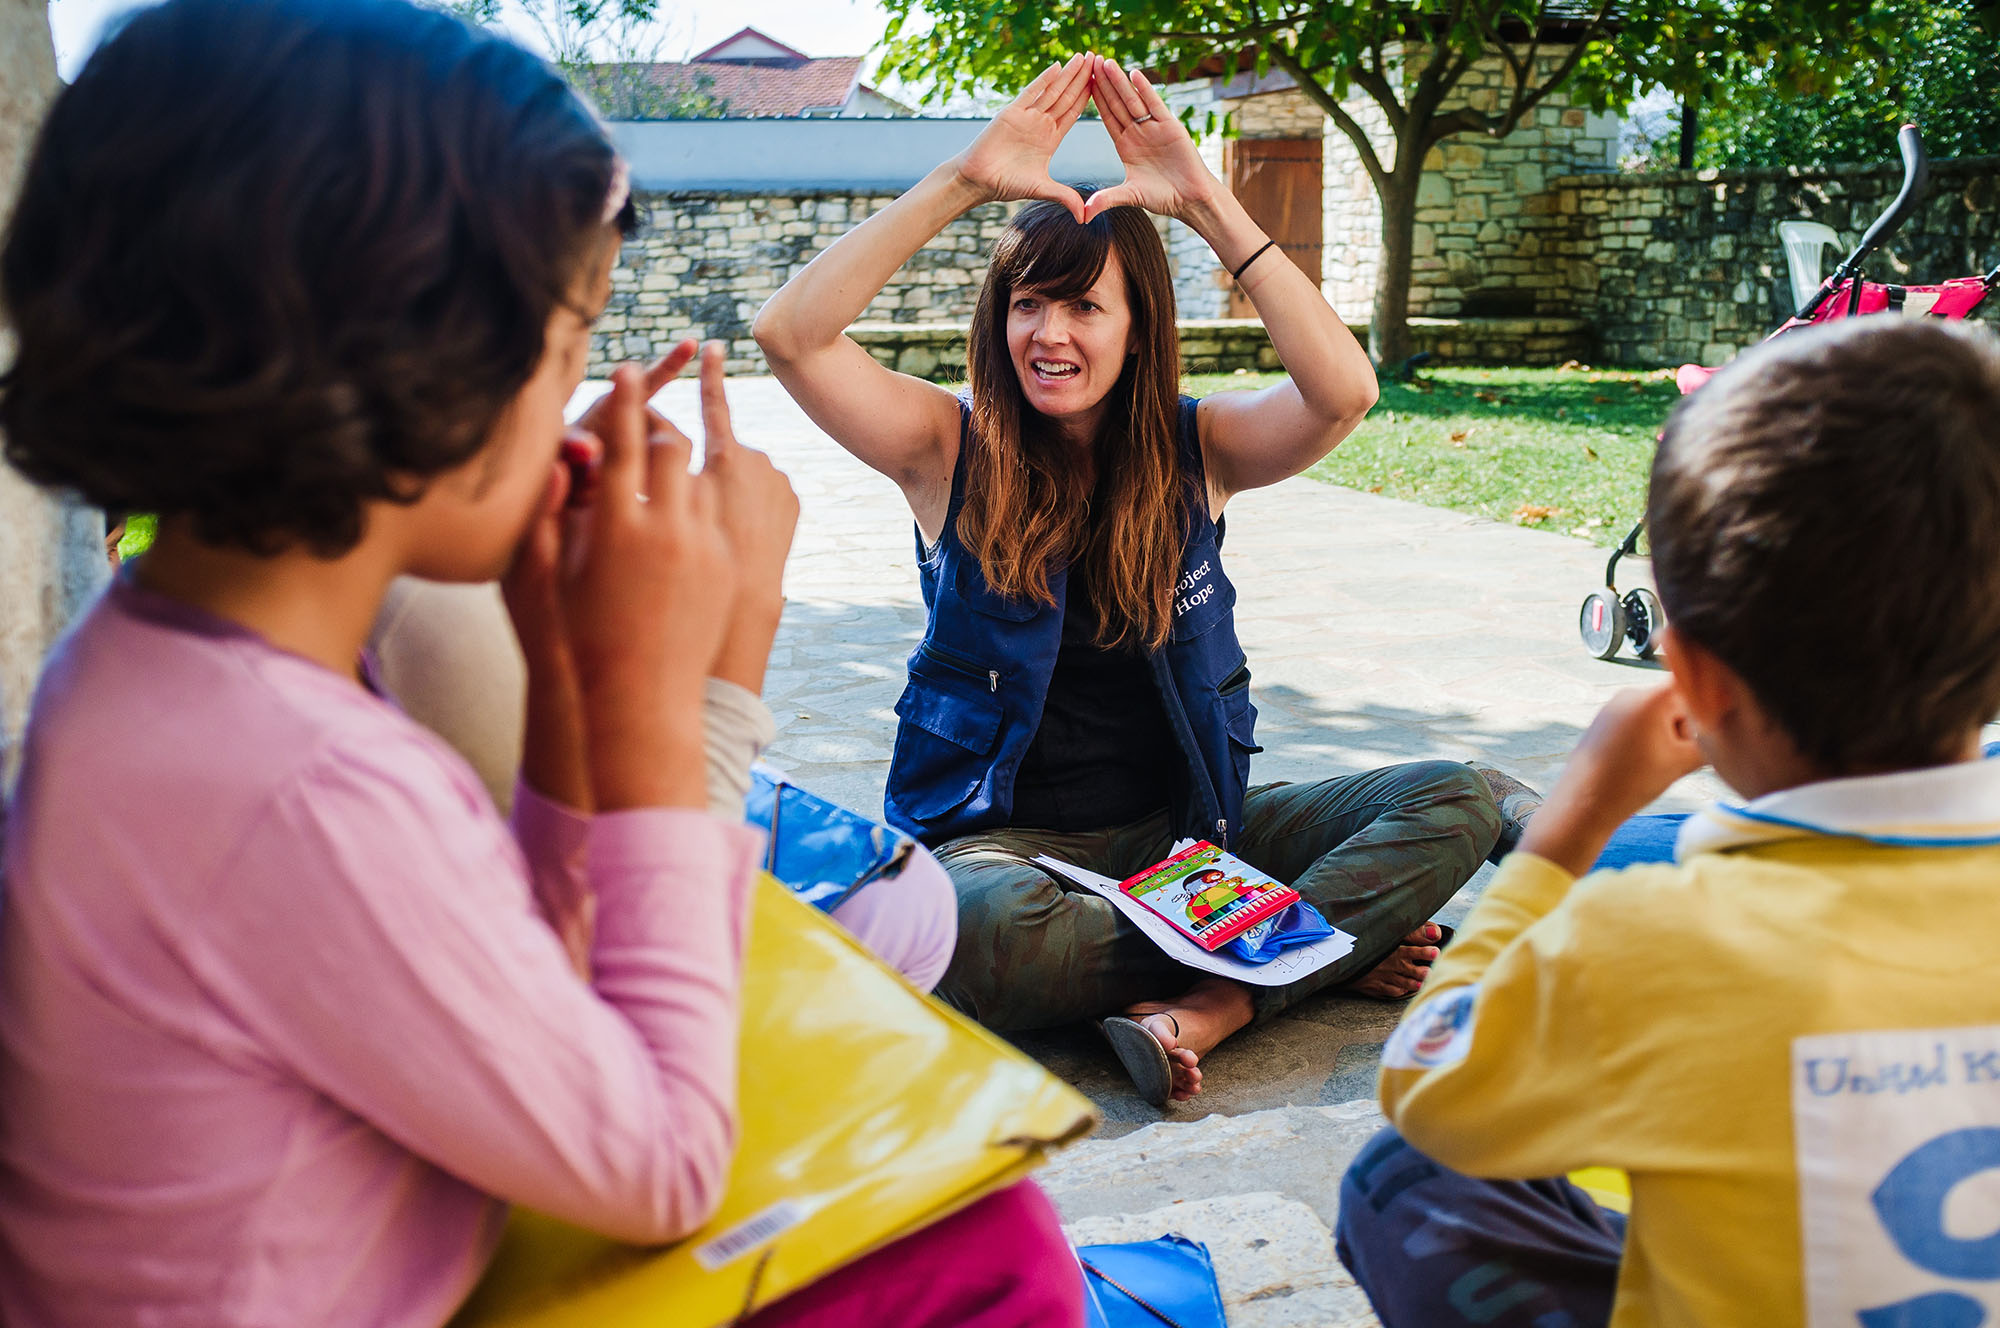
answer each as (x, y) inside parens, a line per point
(1789, 1036)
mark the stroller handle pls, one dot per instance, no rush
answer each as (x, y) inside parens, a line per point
(1916, 183)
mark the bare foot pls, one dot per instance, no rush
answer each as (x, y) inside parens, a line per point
(1403, 970)
(1194, 1025)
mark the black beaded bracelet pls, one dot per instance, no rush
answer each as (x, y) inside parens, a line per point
(1237, 275)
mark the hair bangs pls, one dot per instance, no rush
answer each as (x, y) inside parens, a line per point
(1046, 252)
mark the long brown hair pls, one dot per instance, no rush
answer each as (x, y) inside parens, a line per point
(1028, 507)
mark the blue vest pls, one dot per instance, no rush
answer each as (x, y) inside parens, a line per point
(981, 674)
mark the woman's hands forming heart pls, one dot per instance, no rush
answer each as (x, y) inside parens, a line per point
(1010, 158)
(1164, 172)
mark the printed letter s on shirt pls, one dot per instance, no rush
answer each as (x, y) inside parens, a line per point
(1436, 1033)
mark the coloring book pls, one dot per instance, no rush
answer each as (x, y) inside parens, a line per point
(1209, 896)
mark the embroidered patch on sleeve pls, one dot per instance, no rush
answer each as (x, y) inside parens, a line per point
(1436, 1033)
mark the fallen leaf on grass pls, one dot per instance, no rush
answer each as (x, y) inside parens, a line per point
(1529, 514)
(1485, 396)
(1374, 488)
(1590, 451)
(1458, 437)
(1600, 399)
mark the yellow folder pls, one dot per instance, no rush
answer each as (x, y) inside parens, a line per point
(868, 1110)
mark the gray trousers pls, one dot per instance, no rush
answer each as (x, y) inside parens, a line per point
(1377, 854)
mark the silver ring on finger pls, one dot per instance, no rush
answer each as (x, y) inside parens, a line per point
(1141, 119)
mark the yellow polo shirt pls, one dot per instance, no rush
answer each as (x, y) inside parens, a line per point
(1790, 1040)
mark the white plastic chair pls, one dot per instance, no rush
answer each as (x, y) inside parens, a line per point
(1804, 242)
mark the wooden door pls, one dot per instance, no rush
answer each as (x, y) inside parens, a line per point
(1278, 182)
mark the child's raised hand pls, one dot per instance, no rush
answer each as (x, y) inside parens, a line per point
(1639, 744)
(1010, 158)
(655, 376)
(760, 513)
(648, 603)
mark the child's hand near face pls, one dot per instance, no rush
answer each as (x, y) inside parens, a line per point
(1639, 744)
(647, 605)
(760, 513)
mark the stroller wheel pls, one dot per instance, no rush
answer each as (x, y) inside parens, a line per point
(1601, 623)
(1643, 620)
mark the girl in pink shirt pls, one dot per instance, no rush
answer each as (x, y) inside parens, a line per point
(287, 1012)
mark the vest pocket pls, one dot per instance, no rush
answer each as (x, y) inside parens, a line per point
(1241, 721)
(945, 740)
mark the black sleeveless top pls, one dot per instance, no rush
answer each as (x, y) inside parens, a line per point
(1103, 754)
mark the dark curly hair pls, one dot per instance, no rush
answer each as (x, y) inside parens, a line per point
(276, 259)
(1825, 519)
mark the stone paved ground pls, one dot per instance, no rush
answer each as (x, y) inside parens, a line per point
(1378, 632)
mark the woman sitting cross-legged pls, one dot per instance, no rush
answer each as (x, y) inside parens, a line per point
(1080, 691)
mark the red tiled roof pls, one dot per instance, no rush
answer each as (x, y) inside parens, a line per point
(786, 89)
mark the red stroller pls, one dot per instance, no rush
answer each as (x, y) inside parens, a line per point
(1609, 619)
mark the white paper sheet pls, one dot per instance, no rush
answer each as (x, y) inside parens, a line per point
(1290, 966)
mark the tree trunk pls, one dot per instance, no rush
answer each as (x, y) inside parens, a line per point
(51, 551)
(1389, 342)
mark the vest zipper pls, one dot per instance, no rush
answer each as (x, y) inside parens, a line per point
(951, 659)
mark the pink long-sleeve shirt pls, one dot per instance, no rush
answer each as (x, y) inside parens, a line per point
(283, 1005)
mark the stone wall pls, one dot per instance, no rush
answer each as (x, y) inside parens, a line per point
(1478, 226)
(1228, 345)
(1483, 214)
(1686, 265)
(1201, 285)
(704, 264)
(1510, 251)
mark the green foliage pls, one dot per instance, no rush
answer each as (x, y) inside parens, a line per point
(1341, 44)
(1935, 66)
(1567, 450)
(1407, 56)
(605, 49)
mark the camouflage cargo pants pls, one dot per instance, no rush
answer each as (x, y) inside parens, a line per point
(1376, 853)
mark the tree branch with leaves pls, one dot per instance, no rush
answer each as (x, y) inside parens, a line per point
(1408, 58)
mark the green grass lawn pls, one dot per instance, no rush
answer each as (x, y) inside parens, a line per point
(1557, 449)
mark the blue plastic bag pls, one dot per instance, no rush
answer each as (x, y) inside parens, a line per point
(1164, 1283)
(822, 852)
(1298, 925)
